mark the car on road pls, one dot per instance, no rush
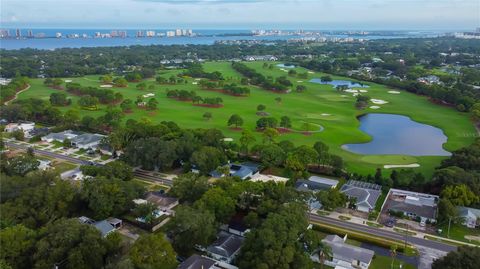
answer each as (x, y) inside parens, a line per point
(390, 222)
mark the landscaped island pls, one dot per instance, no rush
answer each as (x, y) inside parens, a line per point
(315, 112)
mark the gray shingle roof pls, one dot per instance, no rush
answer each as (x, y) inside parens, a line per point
(104, 227)
(85, 139)
(346, 252)
(366, 193)
(197, 262)
(226, 245)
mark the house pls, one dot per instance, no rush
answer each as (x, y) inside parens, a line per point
(366, 194)
(266, 178)
(25, 127)
(87, 141)
(431, 79)
(243, 170)
(44, 165)
(315, 183)
(226, 247)
(345, 255)
(201, 262)
(104, 226)
(74, 174)
(161, 200)
(116, 223)
(412, 204)
(470, 216)
(237, 225)
(40, 131)
(60, 137)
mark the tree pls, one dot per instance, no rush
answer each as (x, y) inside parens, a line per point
(269, 135)
(207, 116)
(19, 165)
(464, 257)
(306, 155)
(208, 159)
(272, 155)
(189, 187)
(110, 197)
(71, 244)
(217, 202)
(236, 120)
(59, 99)
(190, 227)
(71, 118)
(152, 104)
(301, 88)
(126, 105)
(247, 139)
(459, 195)
(446, 211)
(261, 107)
(326, 79)
(106, 79)
(120, 82)
(331, 199)
(17, 246)
(19, 135)
(153, 251)
(88, 101)
(278, 100)
(285, 122)
(141, 86)
(117, 169)
(67, 143)
(393, 253)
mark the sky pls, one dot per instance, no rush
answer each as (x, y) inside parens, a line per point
(243, 14)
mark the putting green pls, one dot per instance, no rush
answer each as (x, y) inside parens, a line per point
(319, 105)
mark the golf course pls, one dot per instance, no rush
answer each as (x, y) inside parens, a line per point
(320, 113)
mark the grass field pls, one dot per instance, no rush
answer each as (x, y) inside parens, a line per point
(340, 127)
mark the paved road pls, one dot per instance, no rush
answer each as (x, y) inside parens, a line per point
(383, 233)
(138, 173)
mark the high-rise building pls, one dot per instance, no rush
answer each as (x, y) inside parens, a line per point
(4, 33)
(30, 34)
(170, 33)
(189, 32)
(58, 35)
(150, 33)
(140, 34)
(18, 33)
(122, 34)
(178, 32)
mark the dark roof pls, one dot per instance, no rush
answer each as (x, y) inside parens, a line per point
(237, 223)
(226, 245)
(85, 139)
(366, 193)
(160, 199)
(428, 212)
(104, 227)
(307, 185)
(196, 262)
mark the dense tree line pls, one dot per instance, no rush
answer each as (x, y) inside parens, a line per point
(195, 70)
(7, 92)
(281, 84)
(104, 96)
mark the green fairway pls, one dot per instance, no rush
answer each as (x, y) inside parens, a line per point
(320, 105)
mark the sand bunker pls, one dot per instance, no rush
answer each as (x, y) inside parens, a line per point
(362, 90)
(148, 95)
(228, 139)
(68, 80)
(343, 95)
(351, 90)
(299, 81)
(325, 114)
(374, 107)
(394, 92)
(106, 86)
(412, 165)
(310, 72)
(378, 101)
(194, 83)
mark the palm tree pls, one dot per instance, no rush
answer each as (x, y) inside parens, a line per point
(393, 253)
(324, 253)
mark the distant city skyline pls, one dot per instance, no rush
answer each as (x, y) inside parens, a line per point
(243, 14)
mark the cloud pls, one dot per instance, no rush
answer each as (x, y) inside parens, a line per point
(205, 2)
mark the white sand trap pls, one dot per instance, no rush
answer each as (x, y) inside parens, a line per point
(68, 80)
(310, 72)
(351, 90)
(194, 83)
(378, 101)
(355, 93)
(228, 139)
(299, 81)
(198, 79)
(106, 86)
(394, 92)
(343, 95)
(148, 95)
(325, 114)
(362, 90)
(412, 165)
(374, 107)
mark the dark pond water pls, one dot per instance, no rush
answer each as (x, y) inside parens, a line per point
(396, 134)
(336, 83)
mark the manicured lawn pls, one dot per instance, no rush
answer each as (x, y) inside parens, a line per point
(64, 166)
(340, 126)
(383, 262)
(458, 232)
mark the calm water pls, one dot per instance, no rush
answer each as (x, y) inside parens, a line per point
(286, 66)
(206, 37)
(336, 83)
(396, 134)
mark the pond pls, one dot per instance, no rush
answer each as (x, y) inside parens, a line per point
(399, 135)
(286, 65)
(336, 83)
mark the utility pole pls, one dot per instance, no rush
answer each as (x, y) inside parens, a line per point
(406, 234)
(449, 222)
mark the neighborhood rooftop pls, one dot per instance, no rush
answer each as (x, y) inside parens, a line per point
(346, 252)
(366, 193)
(413, 204)
(227, 245)
(197, 262)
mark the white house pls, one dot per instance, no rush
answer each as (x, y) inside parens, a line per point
(345, 256)
(25, 127)
(470, 216)
(60, 137)
(87, 141)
